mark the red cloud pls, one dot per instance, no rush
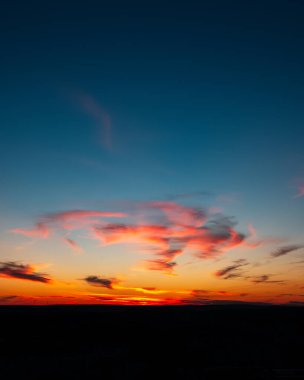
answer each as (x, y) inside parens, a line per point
(117, 233)
(183, 228)
(167, 228)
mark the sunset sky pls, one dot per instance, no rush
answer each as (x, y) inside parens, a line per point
(152, 152)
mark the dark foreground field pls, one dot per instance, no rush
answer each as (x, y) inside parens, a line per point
(102, 342)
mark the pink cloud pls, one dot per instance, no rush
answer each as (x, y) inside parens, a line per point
(184, 228)
(179, 214)
(40, 231)
(67, 220)
(120, 233)
(164, 229)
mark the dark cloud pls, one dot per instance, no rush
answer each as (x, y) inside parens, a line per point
(198, 295)
(22, 272)
(102, 282)
(7, 298)
(216, 302)
(231, 271)
(265, 278)
(161, 265)
(285, 250)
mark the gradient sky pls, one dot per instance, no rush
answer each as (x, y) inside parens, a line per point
(151, 152)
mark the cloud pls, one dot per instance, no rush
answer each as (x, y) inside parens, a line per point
(72, 244)
(5, 299)
(131, 300)
(40, 231)
(66, 220)
(190, 195)
(178, 228)
(119, 233)
(265, 279)
(102, 282)
(176, 213)
(22, 272)
(101, 117)
(160, 265)
(300, 191)
(162, 228)
(148, 290)
(205, 294)
(286, 249)
(231, 271)
(218, 302)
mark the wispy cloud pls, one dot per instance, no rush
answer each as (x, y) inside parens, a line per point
(286, 249)
(190, 195)
(203, 293)
(133, 300)
(232, 271)
(15, 270)
(160, 265)
(101, 118)
(265, 278)
(300, 192)
(40, 231)
(6, 299)
(72, 244)
(66, 221)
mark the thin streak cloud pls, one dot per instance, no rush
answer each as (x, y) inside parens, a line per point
(282, 251)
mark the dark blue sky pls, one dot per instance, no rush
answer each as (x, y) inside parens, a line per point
(202, 96)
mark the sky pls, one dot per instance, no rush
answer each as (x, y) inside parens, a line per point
(151, 152)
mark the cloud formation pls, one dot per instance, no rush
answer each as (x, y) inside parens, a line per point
(22, 272)
(162, 228)
(232, 271)
(285, 250)
(40, 231)
(66, 221)
(5, 299)
(72, 244)
(177, 228)
(101, 282)
(265, 278)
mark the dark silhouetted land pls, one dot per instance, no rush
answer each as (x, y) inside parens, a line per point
(104, 342)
